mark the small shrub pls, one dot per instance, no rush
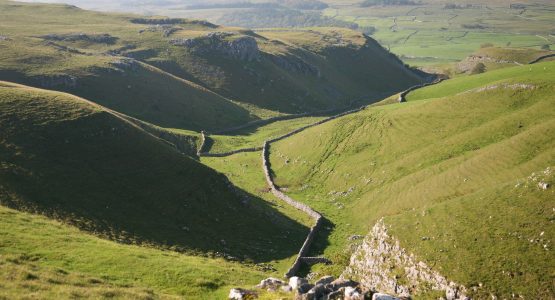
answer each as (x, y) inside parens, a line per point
(546, 47)
(479, 68)
(486, 45)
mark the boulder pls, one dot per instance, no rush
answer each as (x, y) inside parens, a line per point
(295, 282)
(335, 295)
(305, 287)
(324, 280)
(241, 294)
(270, 283)
(286, 288)
(543, 185)
(380, 296)
(352, 293)
(340, 283)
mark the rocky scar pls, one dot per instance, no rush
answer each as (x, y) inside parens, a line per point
(226, 43)
(372, 262)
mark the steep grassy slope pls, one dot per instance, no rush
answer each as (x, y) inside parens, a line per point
(66, 158)
(45, 259)
(249, 75)
(443, 168)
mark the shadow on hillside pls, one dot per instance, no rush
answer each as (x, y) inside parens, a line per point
(108, 178)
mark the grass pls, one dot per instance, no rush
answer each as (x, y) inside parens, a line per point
(245, 171)
(524, 74)
(254, 137)
(50, 260)
(439, 166)
(175, 87)
(71, 160)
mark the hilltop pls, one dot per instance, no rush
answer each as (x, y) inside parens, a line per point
(192, 74)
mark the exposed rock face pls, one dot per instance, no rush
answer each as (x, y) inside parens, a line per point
(372, 261)
(74, 37)
(156, 21)
(294, 64)
(169, 21)
(515, 86)
(242, 47)
(468, 63)
(124, 64)
(166, 29)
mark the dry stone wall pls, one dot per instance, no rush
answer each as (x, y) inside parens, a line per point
(202, 149)
(300, 206)
(541, 57)
(403, 95)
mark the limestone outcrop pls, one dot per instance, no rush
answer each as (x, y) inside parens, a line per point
(240, 47)
(376, 259)
(103, 38)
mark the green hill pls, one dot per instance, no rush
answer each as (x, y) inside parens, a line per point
(43, 258)
(192, 74)
(455, 173)
(75, 161)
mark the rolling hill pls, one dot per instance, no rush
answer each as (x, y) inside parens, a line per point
(192, 74)
(456, 173)
(72, 160)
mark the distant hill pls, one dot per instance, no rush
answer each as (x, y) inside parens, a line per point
(192, 74)
(72, 160)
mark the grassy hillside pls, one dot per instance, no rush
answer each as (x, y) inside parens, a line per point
(255, 136)
(43, 258)
(191, 74)
(455, 171)
(68, 159)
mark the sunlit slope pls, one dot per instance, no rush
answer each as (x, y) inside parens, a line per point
(45, 259)
(440, 167)
(66, 158)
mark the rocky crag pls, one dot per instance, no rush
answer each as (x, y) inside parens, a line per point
(243, 47)
(379, 260)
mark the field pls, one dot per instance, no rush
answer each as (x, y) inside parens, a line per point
(432, 34)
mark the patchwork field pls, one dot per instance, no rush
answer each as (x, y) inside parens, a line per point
(434, 34)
